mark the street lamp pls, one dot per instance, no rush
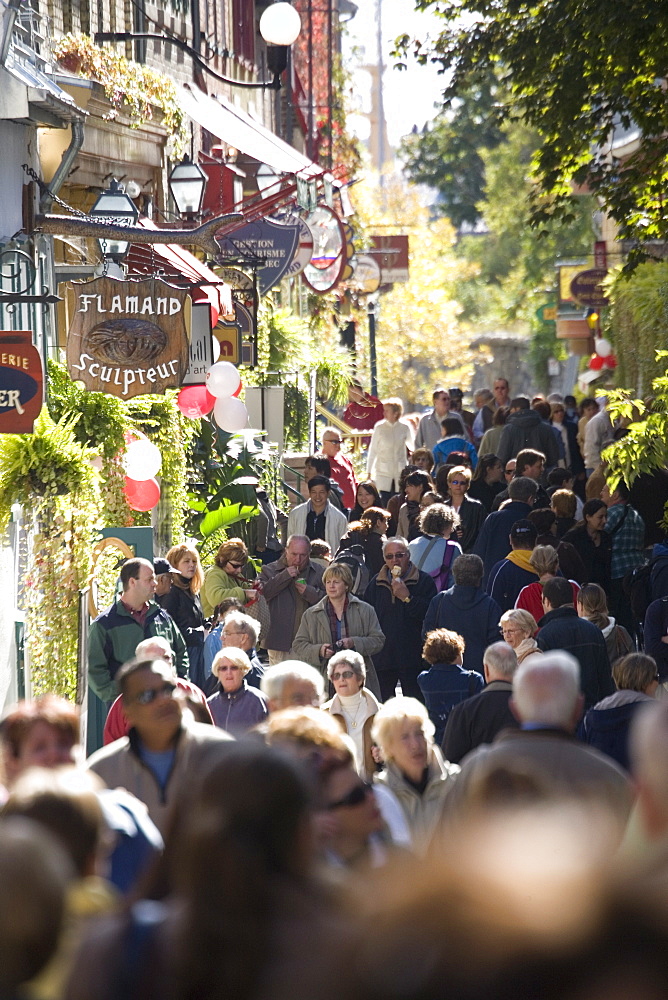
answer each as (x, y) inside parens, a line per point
(114, 206)
(186, 184)
(280, 25)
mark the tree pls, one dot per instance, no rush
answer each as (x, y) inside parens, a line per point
(575, 72)
(446, 155)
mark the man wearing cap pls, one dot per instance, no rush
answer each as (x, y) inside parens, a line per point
(515, 571)
(163, 579)
(429, 431)
(134, 616)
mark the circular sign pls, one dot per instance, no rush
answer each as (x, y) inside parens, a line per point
(304, 249)
(586, 287)
(366, 275)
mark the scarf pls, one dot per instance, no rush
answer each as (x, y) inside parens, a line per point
(334, 621)
(384, 577)
(527, 646)
(520, 557)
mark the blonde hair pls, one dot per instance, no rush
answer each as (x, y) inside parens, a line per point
(339, 571)
(395, 402)
(235, 656)
(392, 714)
(544, 559)
(174, 557)
(519, 616)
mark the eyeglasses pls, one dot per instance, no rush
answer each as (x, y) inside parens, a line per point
(149, 695)
(458, 482)
(333, 441)
(234, 565)
(345, 674)
(226, 634)
(227, 666)
(355, 797)
(396, 555)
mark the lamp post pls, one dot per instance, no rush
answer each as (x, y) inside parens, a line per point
(186, 184)
(114, 206)
(280, 25)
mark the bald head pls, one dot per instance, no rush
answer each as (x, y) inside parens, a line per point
(546, 691)
(648, 751)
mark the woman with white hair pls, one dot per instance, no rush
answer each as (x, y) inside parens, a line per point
(414, 769)
(519, 628)
(353, 706)
(235, 707)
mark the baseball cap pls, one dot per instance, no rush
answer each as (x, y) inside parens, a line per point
(161, 566)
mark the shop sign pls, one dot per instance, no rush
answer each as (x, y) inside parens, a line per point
(200, 355)
(391, 252)
(128, 338)
(586, 287)
(265, 244)
(21, 382)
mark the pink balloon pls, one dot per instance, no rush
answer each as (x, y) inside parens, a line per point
(195, 401)
(241, 385)
(142, 495)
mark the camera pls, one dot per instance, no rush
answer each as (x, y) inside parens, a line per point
(338, 645)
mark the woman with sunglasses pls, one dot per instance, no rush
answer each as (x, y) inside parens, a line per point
(227, 577)
(353, 706)
(235, 706)
(471, 512)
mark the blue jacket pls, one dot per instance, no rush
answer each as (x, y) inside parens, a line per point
(444, 685)
(238, 711)
(492, 543)
(659, 572)
(471, 613)
(656, 625)
(444, 447)
(606, 726)
(505, 582)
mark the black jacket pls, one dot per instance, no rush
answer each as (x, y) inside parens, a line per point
(469, 611)
(563, 629)
(472, 515)
(596, 558)
(401, 622)
(525, 429)
(186, 610)
(541, 498)
(493, 542)
(478, 720)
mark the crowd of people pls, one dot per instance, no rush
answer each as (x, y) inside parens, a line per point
(415, 750)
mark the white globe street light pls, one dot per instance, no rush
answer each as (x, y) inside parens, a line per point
(280, 24)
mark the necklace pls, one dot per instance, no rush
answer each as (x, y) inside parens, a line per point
(353, 719)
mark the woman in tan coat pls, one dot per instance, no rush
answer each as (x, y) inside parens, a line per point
(353, 706)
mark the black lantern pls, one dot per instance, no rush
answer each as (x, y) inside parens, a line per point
(114, 205)
(186, 183)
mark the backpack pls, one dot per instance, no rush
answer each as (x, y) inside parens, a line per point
(353, 558)
(441, 575)
(637, 586)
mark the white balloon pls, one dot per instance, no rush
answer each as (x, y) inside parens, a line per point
(142, 460)
(216, 349)
(603, 347)
(222, 379)
(230, 414)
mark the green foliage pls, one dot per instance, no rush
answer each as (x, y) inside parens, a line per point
(638, 323)
(446, 154)
(574, 72)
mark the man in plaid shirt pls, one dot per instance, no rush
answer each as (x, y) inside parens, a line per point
(627, 529)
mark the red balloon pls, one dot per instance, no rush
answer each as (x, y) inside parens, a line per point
(241, 385)
(610, 361)
(596, 362)
(195, 401)
(142, 495)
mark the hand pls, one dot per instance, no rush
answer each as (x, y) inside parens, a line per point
(348, 643)
(250, 594)
(292, 571)
(326, 651)
(300, 587)
(377, 754)
(399, 588)
(664, 638)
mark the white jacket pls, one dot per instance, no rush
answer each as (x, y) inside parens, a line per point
(387, 453)
(336, 523)
(597, 436)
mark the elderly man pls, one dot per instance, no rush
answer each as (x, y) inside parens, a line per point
(241, 632)
(114, 635)
(290, 585)
(466, 609)
(400, 594)
(292, 684)
(492, 542)
(543, 752)
(155, 759)
(479, 719)
(318, 518)
(429, 431)
(342, 468)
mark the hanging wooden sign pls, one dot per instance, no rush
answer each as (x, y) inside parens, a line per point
(21, 382)
(128, 338)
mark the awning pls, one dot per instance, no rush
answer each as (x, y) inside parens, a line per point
(48, 104)
(237, 128)
(177, 262)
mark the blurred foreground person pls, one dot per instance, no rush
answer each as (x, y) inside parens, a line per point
(548, 703)
(648, 752)
(34, 873)
(246, 916)
(291, 684)
(523, 905)
(414, 769)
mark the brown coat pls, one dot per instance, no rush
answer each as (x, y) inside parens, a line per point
(281, 596)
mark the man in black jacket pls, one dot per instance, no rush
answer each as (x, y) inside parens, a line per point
(561, 628)
(478, 719)
(492, 543)
(400, 601)
(525, 429)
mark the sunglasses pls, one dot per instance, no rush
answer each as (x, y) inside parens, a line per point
(235, 565)
(149, 695)
(333, 441)
(354, 798)
(396, 555)
(345, 674)
(458, 482)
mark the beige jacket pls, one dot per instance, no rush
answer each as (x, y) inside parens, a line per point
(335, 708)
(423, 812)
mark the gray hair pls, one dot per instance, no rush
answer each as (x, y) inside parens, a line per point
(468, 570)
(153, 642)
(352, 659)
(275, 678)
(485, 394)
(500, 660)
(394, 540)
(299, 538)
(546, 689)
(648, 750)
(522, 488)
(246, 624)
